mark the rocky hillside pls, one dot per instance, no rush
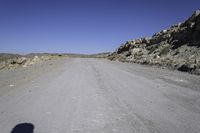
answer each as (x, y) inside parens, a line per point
(177, 47)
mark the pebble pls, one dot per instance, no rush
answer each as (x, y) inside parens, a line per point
(11, 85)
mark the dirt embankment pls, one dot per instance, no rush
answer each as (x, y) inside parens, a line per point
(12, 61)
(177, 47)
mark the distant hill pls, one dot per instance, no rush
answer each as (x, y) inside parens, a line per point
(100, 55)
(177, 47)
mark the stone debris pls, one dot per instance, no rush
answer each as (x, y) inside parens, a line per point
(25, 61)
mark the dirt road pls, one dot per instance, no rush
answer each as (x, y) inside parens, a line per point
(77, 95)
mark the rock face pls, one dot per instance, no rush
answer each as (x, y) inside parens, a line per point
(177, 47)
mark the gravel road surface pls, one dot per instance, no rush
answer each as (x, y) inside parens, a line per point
(80, 95)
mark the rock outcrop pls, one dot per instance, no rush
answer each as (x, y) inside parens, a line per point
(177, 47)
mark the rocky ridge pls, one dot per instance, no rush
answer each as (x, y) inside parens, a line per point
(177, 47)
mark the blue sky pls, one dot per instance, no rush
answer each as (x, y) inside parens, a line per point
(84, 26)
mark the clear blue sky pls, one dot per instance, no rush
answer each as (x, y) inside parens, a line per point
(84, 26)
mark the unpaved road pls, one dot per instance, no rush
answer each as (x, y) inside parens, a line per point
(77, 95)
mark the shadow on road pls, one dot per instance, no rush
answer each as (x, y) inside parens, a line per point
(23, 128)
